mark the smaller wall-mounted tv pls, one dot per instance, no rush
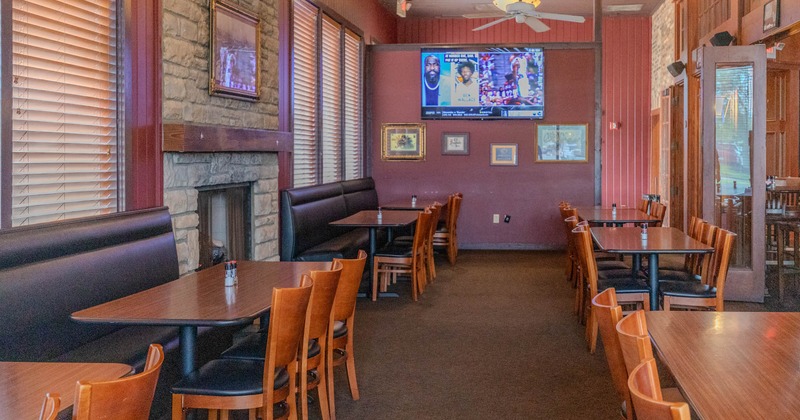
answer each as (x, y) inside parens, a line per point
(491, 83)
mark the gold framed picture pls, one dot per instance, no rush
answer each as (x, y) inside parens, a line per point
(559, 143)
(403, 142)
(503, 154)
(235, 59)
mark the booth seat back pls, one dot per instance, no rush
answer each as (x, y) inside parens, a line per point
(360, 194)
(48, 271)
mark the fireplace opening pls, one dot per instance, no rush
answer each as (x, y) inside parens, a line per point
(225, 225)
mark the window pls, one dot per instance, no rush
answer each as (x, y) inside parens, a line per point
(327, 107)
(65, 111)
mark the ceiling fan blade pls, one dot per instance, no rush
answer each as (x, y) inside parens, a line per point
(536, 24)
(482, 27)
(484, 15)
(558, 16)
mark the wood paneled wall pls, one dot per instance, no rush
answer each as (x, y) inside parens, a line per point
(459, 31)
(626, 101)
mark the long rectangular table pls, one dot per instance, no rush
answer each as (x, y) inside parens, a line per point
(23, 385)
(606, 216)
(732, 365)
(660, 240)
(202, 299)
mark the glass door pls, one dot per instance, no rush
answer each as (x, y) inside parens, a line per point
(733, 114)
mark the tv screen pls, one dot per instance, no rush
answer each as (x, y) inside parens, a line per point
(493, 83)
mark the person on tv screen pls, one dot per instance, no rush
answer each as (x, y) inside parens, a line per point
(518, 82)
(434, 92)
(466, 92)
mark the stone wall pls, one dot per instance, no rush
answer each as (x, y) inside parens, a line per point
(186, 43)
(184, 172)
(663, 42)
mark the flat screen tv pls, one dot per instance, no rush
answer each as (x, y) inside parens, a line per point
(491, 83)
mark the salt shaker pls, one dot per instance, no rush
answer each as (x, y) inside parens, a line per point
(644, 231)
(613, 209)
(230, 273)
(414, 200)
(380, 215)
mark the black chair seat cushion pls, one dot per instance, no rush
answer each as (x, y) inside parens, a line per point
(687, 289)
(612, 265)
(254, 347)
(394, 250)
(229, 378)
(339, 329)
(676, 275)
(617, 273)
(625, 285)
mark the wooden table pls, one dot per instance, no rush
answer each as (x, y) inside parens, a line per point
(406, 204)
(606, 217)
(369, 219)
(24, 384)
(660, 240)
(732, 365)
(201, 299)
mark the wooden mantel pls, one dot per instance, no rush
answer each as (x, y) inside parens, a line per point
(179, 137)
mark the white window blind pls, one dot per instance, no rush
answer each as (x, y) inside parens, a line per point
(65, 110)
(331, 100)
(352, 137)
(305, 93)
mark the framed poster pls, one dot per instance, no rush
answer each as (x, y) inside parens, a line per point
(561, 143)
(403, 142)
(772, 15)
(455, 143)
(235, 52)
(503, 154)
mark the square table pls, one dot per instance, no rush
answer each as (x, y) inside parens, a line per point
(660, 240)
(24, 384)
(732, 365)
(369, 219)
(606, 217)
(202, 299)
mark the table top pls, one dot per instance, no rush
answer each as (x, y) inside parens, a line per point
(405, 204)
(732, 364)
(369, 218)
(660, 240)
(202, 298)
(24, 384)
(605, 215)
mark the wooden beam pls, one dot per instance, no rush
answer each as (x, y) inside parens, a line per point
(207, 139)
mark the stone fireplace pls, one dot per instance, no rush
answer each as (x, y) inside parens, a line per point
(184, 173)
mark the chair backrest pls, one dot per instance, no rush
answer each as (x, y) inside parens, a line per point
(287, 327)
(323, 292)
(52, 402)
(645, 391)
(352, 272)
(455, 210)
(422, 229)
(658, 210)
(436, 209)
(608, 313)
(125, 398)
(585, 249)
(634, 340)
(717, 269)
(643, 204)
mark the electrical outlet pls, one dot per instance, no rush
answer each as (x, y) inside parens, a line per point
(507, 219)
(496, 218)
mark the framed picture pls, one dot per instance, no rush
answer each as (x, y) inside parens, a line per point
(504, 154)
(772, 14)
(403, 142)
(235, 52)
(561, 143)
(455, 143)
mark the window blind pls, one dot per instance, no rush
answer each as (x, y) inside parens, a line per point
(305, 93)
(65, 110)
(352, 129)
(331, 81)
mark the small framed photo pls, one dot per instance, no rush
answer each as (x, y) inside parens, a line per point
(235, 59)
(504, 154)
(403, 142)
(772, 15)
(559, 143)
(455, 143)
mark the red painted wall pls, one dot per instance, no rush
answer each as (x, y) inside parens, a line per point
(379, 25)
(529, 192)
(626, 99)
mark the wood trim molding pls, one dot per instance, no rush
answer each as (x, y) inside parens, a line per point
(204, 138)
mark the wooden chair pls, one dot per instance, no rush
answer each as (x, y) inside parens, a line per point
(630, 290)
(240, 384)
(52, 402)
(644, 205)
(709, 293)
(447, 237)
(608, 313)
(658, 210)
(693, 263)
(569, 218)
(343, 313)
(695, 227)
(125, 398)
(436, 210)
(647, 397)
(397, 259)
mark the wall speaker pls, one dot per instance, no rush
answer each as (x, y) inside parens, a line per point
(676, 68)
(721, 39)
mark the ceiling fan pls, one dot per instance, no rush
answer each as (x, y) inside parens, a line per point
(522, 11)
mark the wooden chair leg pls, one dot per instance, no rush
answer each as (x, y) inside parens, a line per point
(591, 331)
(322, 387)
(177, 407)
(375, 282)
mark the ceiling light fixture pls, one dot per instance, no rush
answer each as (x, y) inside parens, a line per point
(617, 8)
